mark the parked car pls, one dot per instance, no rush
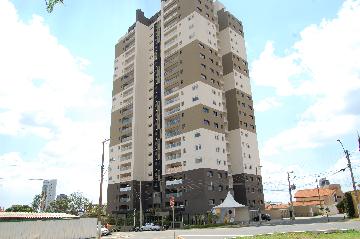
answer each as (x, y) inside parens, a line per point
(150, 227)
(264, 217)
(135, 229)
(104, 231)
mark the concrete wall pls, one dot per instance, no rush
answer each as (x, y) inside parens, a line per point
(55, 229)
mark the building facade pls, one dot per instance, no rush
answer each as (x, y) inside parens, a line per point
(48, 193)
(182, 121)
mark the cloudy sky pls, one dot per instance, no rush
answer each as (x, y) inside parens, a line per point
(56, 79)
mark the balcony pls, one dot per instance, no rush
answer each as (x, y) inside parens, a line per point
(174, 156)
(174, 182)
(122, 169)
(126, 148)
(126, 139)
(126, 189)
(172, 122)
(172, 100)
(170, 112)
(126, 121)
(172, 133)
(171, 80)
(174, 168)
(173, 145)
(125, 157)
(125, 200)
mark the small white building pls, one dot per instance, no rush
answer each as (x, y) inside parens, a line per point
(231, 211)
(48, 193)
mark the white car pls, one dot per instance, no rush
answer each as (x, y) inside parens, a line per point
(150, 227)
(104, 231)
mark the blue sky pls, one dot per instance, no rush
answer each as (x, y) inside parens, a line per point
(55, 106)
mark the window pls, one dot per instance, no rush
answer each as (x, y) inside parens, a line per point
(216, 125)
(206, 122)
(211, 187)
(220, 188)
(210, 174)
(198, 147)
(212, 202)
(198, 160)
(197, 135)
(195, 98)
(202, 46)
(205, 110)
(219, 175)
(215, 113)
(203, 76)
(203, 66)
(202, 56)
(217, 149)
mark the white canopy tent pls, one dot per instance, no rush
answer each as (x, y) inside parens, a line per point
(230, 202)
(231, 211)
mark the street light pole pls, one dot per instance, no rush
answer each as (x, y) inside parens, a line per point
(101, 183)
(292, 217)
(347, 155)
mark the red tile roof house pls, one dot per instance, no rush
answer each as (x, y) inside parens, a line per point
(277, 211)
(310, 201)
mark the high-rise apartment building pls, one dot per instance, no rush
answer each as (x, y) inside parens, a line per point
(48, 193)
(182, 120)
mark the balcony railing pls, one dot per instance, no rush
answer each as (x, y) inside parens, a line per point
(172, 122)
(174, 169)
(126, 148)
(125, 179)
(126, 139)
(172, 111)
(127, 189)
(167, 102)
(172, 133)
(173, 156)
(173, 145)
(125, 158)
(125, 169)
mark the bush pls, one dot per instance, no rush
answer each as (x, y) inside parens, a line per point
(341, 206)
(349, 205)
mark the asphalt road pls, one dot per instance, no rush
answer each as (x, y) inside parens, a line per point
(222, 233)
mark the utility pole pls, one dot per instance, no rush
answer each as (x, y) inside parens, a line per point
(292, 216)
(134, 218)
(101, 183)
(347, 155)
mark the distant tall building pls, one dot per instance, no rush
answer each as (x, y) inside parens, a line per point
(182, 120)
(48, 193)
(61, 197)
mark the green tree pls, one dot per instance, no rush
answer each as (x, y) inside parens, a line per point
(349, 205)
(77, 203)
(36, 203)
(19, 208)
(60, 206)
(50, 4)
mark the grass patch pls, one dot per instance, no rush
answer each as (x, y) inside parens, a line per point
(351, 234)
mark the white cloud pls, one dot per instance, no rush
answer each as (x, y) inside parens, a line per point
(324, 65)
(42, 85)
(267, 104)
